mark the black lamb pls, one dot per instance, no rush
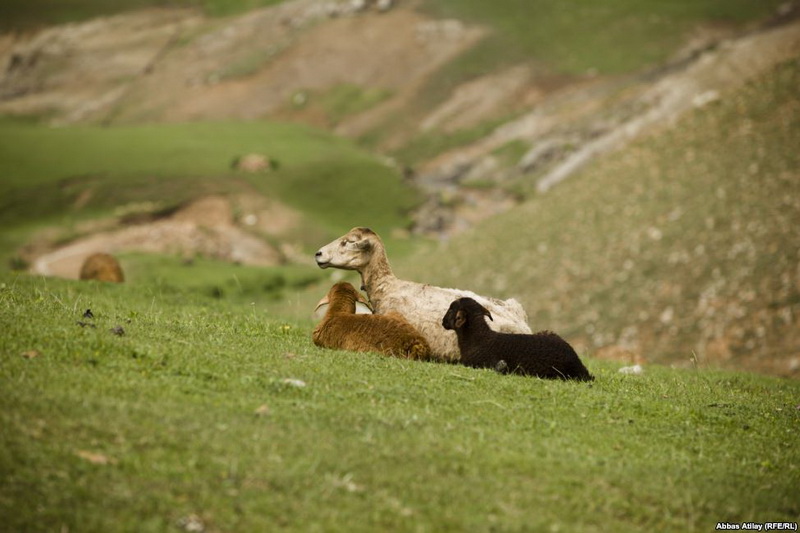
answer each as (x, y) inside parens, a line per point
(542, 354)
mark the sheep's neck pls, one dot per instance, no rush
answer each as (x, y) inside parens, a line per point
(376, 276)
(342, 304)
(475, 328)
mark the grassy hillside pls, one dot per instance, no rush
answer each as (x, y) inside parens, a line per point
(685, 242)
(217, 416)
(604, 36)
(58, 175)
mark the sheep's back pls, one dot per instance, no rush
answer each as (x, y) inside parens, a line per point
(371, 333)
(544, 354)
(424, 306)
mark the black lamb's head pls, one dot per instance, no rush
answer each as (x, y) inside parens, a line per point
(462, 309)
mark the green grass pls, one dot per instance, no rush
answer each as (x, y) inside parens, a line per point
(511, 152)
(46, 173)
(348, 99)
(219, 279)
(27, 14)
(188, 417)
(427, 145)
(291, 291)
(247, 65)
(572, 37)
(686, 237)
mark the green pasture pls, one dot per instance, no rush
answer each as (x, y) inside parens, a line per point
(219, 279)
(61, 175)
(220, 415)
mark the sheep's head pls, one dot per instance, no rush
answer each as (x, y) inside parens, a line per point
(460, 310)
(351, 251)
(343, 296)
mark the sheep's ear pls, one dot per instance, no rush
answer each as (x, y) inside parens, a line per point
(364, 245)
(487, 313)
(461, 317)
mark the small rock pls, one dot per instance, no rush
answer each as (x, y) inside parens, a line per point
(88, 314)
(30, 354)
(253, 163)
(192, 524)
(117, 330)
(705, 98)
(95, 458)
(635, 370)
(654, 233)
(299, 383)
(262, 410)
(85, 324)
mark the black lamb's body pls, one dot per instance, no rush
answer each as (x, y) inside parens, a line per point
(542, 354)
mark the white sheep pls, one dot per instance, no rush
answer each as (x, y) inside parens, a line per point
(422, 305)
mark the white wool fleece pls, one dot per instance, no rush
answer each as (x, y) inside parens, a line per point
(424, 306)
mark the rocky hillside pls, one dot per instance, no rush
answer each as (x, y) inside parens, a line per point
(683, 248)
(383, 73)
(302, 60)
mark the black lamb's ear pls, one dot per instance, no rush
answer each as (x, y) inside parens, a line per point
(461, 317)
(487, 313)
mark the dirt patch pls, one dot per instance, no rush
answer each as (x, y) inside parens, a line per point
(380, 51)
(481, 99)
(214, 226)
(265, 215)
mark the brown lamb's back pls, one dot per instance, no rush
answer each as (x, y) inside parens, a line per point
(343, 329)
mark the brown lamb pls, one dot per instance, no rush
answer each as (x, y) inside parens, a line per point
(102, 267)
(343, 329)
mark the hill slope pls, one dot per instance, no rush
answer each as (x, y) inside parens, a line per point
(684, 243)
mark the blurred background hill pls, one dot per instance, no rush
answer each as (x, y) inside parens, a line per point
(629, 170)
